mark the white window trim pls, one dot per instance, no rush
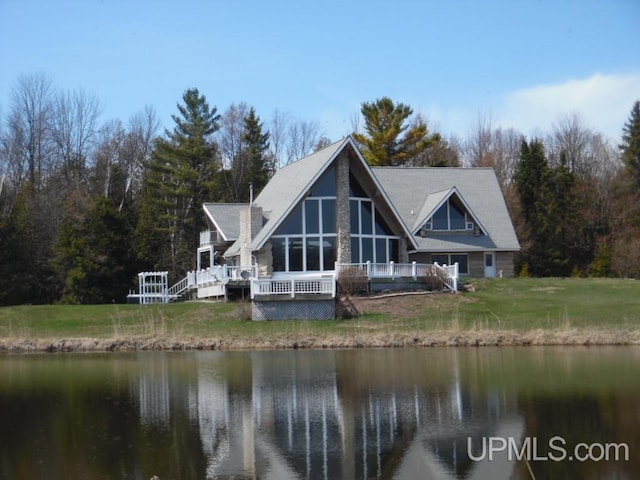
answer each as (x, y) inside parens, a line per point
(373, 235)
(469, 222)
(304, 235)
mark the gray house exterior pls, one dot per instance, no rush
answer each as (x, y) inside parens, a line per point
(330, 219)
(332, 207)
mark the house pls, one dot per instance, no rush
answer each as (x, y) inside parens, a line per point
(330, 216)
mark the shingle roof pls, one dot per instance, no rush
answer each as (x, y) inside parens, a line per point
(226, 217)
(410, 190)
(414, 193)
(286, 188)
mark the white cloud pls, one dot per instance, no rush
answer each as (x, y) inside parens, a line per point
(603, 101)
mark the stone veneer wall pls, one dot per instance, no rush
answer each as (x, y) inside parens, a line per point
(343, 220)
(250, 225)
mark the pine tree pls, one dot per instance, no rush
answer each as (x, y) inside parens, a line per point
(630, 146)
(547, 202)
(256, 145)
(183, 174)
(529, 176)
(94, 255)
(25, 253)
(391, 139)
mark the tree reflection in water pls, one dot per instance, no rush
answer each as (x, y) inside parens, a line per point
(319, 414)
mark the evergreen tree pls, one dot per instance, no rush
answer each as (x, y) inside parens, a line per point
(94, 255)
(256, 145)
(630, 146)
(25, 253)
(391, 139)
(547, 203)
(183, 174)
(529, 176)
(625, 236)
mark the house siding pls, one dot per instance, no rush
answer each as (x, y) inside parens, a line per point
(476, 264)
(504, 264)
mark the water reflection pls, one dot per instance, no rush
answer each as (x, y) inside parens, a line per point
(320, 414)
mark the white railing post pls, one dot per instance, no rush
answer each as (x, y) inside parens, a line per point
(392, 269)
(455, 277)
(293, 288)
(369, 269)
(414, 270)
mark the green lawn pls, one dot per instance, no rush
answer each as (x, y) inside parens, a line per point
(527, 303)
(497, 305)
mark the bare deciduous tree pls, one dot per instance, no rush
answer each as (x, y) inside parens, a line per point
(28, 140)
(292, 138)
(230, 142)
(110, 141)
(495, 147)
(137, 149)
(74, 126)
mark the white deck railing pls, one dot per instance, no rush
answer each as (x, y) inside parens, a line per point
(222, 273)
(293, 286)
(447, 273)
(306, 284)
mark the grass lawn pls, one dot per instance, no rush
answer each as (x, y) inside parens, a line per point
(521, 305)
(527, 303)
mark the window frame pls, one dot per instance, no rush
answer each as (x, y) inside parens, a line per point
(451, 262)
(468, 220)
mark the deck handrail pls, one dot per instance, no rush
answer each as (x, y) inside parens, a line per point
(179, 287)
(448, 274)
(293, 286)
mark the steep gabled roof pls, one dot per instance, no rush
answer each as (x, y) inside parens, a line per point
(435, 200)
(410, 190)
(291, 183)
(226, 218)
(285, 189)
(431, 204)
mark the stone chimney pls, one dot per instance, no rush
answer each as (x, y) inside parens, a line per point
(250, 225)
(343, 216)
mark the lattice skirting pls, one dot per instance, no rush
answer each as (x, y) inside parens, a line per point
(294, 310)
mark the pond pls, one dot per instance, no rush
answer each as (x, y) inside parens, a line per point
(443, 413)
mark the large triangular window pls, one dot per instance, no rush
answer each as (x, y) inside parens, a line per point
(452, 215)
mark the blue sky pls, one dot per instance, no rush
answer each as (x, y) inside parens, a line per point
(523, 63)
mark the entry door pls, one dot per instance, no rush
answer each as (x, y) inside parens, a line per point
(489, 264)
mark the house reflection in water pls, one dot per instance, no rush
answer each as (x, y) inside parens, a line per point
(339, 414)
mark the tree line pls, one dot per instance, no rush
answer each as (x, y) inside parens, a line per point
(85, 205)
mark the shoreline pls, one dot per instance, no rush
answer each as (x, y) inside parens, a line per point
(487, 338)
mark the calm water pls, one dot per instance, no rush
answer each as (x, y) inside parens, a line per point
(405, 413)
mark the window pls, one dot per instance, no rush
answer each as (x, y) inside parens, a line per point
(329, 216)
(371, 238)
(306, 241)
(326, 186)
(312, 216)
(450, 216)
(462, 259)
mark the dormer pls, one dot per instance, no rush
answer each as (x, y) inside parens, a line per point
(446, 212)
